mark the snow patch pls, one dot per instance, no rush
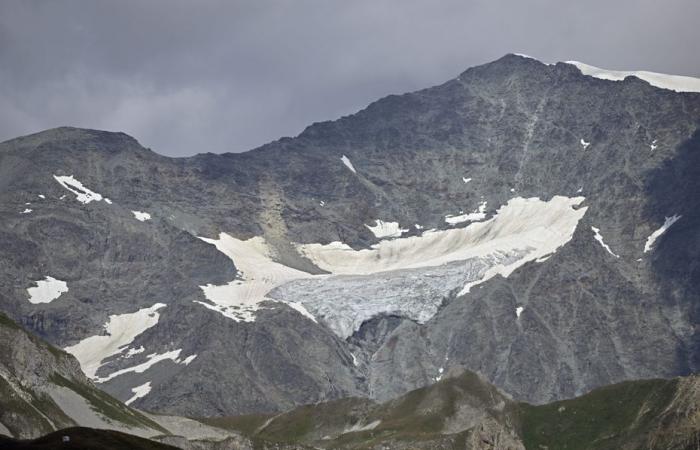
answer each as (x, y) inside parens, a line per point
(26, 211)
(672, 82)
(188, 360)
(83, 194)
(139, 392)
(656, 234)
(466, 180)
(653, 145)
(598, 237)
(386, 229)
(241, 298)
(347, 163)
(141, 216)
(584, 144)
(121, 329)
(519, 310)
(359, 427)
(42, 196)
(47, 290)
(478, 214)
(108, 201)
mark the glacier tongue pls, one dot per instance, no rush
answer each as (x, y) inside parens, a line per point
(383, 279)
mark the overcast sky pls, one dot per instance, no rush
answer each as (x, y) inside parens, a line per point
(205, 76)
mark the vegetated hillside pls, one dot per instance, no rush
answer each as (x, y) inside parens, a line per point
(466, 412)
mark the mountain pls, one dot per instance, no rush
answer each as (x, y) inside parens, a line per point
(464, 411)
(525, 221)
(44, 396)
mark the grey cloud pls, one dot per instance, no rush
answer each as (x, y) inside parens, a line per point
(187, 77)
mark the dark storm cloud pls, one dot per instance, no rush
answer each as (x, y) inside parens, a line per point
(189, 77)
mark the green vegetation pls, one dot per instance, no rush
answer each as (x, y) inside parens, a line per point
(606, 418)
(84, 438)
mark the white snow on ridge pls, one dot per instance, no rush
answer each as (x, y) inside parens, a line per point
(386, 229)
(240, 299)
(649, 245)
(141, 216)
(83, 194)
(139, 392)
(530, 225)
(598, 237)
(676, 83)
(47, 290)
(121, 329)
(478, 214)
(347, 163)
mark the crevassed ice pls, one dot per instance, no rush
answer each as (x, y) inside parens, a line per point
(411, 276)
(47, 290)
(676, 83)
(383, 229)
(82, 194)
(121, 329)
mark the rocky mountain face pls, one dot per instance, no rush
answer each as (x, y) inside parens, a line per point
(524, 221)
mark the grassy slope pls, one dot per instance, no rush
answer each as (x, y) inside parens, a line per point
(84, 439)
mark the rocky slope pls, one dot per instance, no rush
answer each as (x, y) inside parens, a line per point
(43, 390)
(523, 220)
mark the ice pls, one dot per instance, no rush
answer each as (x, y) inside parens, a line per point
(47, 290)
(121, 330)
(83, 194)
(139, 392)
(598, 237)
(384, 230)
(141, 216)
(655, 235)
(347, 163)
(672, 82)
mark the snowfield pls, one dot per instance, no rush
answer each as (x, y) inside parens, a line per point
(47, 290)
(676, 83)
(241, 298)
(121, 329)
